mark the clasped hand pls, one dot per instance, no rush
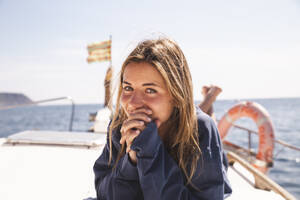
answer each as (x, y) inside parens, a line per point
(132, 127)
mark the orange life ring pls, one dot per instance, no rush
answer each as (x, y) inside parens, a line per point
(256, 112)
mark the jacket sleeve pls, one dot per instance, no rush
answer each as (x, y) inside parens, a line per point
(119, 183)
(161, 178)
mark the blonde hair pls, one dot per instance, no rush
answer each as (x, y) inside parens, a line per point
(168, 59)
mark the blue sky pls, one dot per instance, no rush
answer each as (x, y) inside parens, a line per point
(249, 48)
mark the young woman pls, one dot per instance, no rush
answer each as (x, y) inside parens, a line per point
(159, 145)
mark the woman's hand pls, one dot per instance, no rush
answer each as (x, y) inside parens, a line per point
(132, 127)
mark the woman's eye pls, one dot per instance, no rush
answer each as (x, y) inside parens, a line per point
(127, 88)
(150, 91)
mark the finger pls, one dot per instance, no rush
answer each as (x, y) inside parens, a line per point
(139, 116)
(143, 110)
(129, 140)
(132, 125)
(130, 128)
(129, 136)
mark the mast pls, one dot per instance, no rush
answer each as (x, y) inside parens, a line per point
(107, 83)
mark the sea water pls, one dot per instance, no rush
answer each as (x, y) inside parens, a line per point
(284, 112)
(285, 115)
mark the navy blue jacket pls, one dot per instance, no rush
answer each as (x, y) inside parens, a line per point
(156, 175)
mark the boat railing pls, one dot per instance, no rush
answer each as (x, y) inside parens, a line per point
(250, 132)
(261, 180)
(34, 103)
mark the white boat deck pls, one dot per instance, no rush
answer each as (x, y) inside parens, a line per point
(78, 139)
(50, 171)
(65, 171)
(242, 183)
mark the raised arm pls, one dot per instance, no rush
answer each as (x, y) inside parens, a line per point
(161, 178)
(119, 183)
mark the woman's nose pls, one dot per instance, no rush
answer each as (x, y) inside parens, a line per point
(135, 101)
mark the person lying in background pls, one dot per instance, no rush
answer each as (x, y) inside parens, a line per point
(210, 94)
(160, 145)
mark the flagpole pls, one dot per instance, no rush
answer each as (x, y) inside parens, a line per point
(110, 38)
(111, 72)
(107, 81)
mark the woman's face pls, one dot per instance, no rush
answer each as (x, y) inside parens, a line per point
(144, 87)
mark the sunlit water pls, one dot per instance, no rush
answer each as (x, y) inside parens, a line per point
(285, 114)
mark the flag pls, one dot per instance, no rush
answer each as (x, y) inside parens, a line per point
(100, 51)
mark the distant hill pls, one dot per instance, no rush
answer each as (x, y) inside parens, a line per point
(8, 99)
